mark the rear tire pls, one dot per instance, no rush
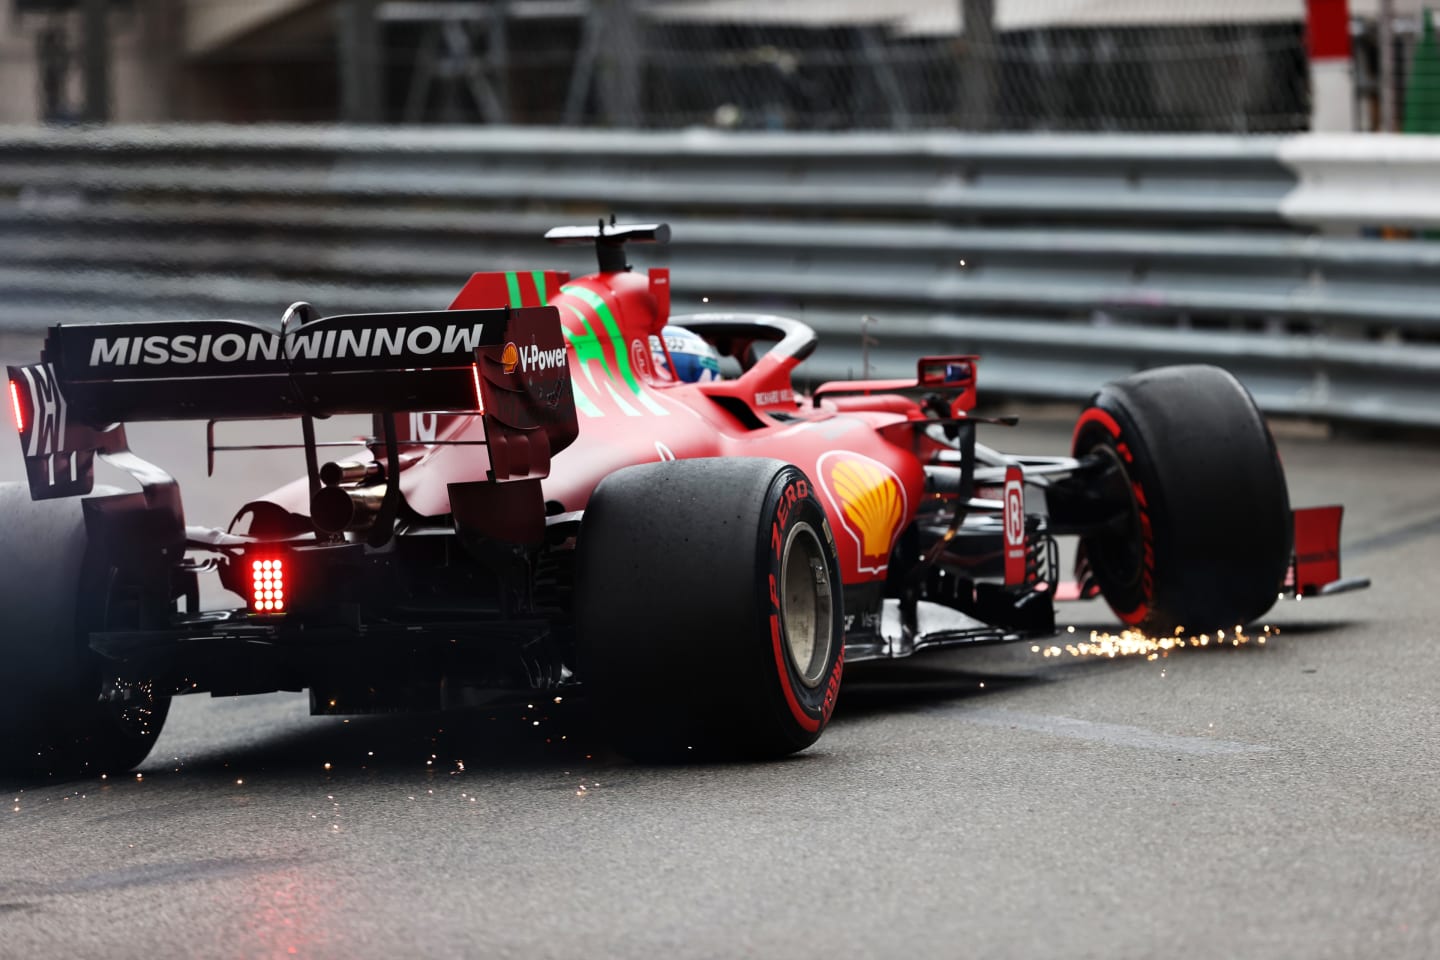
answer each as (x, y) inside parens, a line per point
(55, 722)
(1210, 532)
(708, 609)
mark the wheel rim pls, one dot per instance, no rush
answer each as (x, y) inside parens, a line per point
(1117, 556)
(132, 708)
(805, 607)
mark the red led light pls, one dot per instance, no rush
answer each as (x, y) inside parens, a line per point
(19, 412)
(479, 399)
(267, 585)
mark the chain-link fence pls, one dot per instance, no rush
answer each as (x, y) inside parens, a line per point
(1233, 66)
(1083, 65)
(1028, 65)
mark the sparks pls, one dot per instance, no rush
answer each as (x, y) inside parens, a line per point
(1135, 643)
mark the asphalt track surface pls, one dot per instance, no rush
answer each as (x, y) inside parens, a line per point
(1261, 801)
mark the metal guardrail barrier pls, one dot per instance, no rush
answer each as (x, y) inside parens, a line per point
(1370, 180)
(1064, 260)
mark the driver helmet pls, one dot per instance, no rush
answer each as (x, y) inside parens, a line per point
(693, 359)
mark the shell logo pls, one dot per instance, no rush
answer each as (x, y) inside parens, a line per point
(510, 357)
(869, 502)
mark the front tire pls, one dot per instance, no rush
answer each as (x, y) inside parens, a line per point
(56, 724)
(708, 609)
(1209, 532)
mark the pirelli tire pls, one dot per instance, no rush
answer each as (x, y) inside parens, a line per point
(55, 592)
(708, 610)
(1208, 536)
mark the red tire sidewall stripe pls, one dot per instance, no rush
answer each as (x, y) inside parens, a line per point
(1095, 415)
(795, 492)
(787, 682)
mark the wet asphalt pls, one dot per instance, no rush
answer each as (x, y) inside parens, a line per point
(1276, 800)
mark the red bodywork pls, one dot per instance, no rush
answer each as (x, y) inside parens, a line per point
(630, 412)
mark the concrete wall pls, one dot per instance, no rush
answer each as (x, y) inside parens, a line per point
(211, 24)
(169, 60)
(145, 60)
(19, 93)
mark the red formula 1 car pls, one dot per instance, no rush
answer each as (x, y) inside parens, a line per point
(700, 558)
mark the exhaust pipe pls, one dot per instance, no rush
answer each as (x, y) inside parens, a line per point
(338, 472)
(337, 509)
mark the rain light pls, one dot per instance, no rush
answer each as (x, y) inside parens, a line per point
(15, 406)
(267, 585)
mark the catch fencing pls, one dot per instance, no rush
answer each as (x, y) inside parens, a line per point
(1299, 263)
(979, 65)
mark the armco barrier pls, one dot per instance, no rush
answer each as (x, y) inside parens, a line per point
(1065, 260)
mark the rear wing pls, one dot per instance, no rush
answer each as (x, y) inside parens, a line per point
(203, 369)
(92, 378)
